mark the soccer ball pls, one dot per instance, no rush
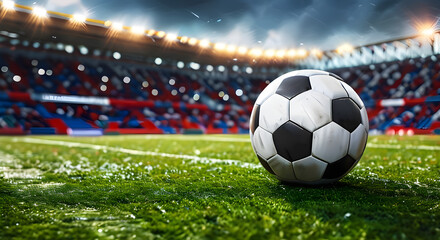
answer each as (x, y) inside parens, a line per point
(309, 127)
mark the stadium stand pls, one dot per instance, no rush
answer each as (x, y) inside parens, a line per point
(145, 98)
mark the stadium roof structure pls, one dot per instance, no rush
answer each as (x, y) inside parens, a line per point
(36, 25)
(394, 50)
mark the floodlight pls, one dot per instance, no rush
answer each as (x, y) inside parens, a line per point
(171, 37)
(220, 46)
(8, 4)
(204, 43)
(137, 30)
(39, 12)
(79, 18)
(242, 50)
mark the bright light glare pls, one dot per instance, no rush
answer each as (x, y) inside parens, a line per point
(204, 43)
(116, 55)
(231, 48)
(220, 46)
(137, 30)
(302, 53)
(161, 34)
(428, 31)
(316, 52)
(281, 53)
(256, 52)
(269, 53)
(39, 12)
(16, 78)
(184, 39)
(8, 4)
(158, 61)
(345, 48)
(117, 26)
(79, 18)
(192, 41)
(242, 50)
(151, 32)
(291, 53)
(171, 37)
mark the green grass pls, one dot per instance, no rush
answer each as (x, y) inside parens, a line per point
(51, 190)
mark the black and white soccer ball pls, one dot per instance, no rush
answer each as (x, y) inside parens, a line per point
(309, 127)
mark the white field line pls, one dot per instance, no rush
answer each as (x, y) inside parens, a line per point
(389, 146)
(195, 159)
(229, 139)
(198, 138)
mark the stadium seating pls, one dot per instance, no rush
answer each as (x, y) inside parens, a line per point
(145, 98)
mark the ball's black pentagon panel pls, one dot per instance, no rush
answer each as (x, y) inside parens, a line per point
(292, 86)
(255, 116)
(265, 164)
(339, 168)
(292, 142)
(336, 76)
(346, 113)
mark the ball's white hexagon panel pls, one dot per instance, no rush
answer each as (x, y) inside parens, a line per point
(358, 139)
(282, 168)
(309, 169)
(263, 143)
(364, 117)
(269, 90)
(272, 87)
(310, 110)
(353, 95)
(328, 86)
(274, 112)
(305, 72)
(330, 143)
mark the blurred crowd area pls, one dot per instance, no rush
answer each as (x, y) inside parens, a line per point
(211, 99)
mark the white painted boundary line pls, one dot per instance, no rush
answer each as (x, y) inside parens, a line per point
(195, 159)
(206, 138)
(418, 147)
(229, 139)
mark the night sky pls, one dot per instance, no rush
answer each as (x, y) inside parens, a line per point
(268, 24)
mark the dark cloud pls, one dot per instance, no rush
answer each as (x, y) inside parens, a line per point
(271, 24)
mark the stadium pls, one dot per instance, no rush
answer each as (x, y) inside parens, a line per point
(124, 132)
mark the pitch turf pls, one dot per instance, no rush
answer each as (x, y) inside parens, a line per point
(175, 187)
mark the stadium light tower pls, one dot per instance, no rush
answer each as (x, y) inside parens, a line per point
(8, 5)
